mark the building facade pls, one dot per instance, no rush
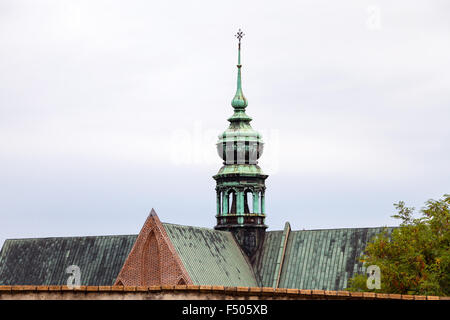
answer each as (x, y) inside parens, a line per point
(237, 252)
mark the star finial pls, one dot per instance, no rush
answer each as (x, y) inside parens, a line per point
(239, 35)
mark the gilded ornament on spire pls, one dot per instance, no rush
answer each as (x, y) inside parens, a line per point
(239, 35)
(239, 101)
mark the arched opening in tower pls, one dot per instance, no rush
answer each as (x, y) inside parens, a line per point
(232, 199)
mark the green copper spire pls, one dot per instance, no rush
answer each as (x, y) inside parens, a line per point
(239, 101)
(240, 183)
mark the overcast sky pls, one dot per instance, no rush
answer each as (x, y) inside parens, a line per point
(111, 108)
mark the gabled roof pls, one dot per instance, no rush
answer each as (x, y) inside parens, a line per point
(314, 259)
(211, 257)
(43, 261)
(304, 259)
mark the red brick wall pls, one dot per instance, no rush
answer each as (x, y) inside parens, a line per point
(153, 259)
(150, 261)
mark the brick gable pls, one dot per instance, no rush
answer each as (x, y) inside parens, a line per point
(153, 259)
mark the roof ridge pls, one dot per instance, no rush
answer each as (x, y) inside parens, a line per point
(337, 229)
(72, 237)
(187, 226)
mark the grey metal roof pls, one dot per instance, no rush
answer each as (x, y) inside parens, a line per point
(42, 261)
(315, 259)
(211, 257)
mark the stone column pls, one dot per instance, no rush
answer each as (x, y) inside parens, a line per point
(263, 207)
(224, 203)
(218, 202)
(255, 202)
(240, 206)
(239, 202)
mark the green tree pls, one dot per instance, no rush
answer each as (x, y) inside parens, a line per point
(415, 257)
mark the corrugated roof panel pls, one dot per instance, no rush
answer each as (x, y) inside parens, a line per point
(328, 257)
(289, 247)
(323, 263)
(306, 275)
(331, 273)
(302, 252)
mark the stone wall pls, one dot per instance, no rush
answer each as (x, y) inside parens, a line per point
(189, 292)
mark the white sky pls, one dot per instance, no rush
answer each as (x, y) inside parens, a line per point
(352, 98)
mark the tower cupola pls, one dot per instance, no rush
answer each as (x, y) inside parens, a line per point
(240, 183)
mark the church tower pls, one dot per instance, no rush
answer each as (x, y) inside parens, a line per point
(240, 183)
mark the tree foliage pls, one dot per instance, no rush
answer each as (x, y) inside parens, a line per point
(415, 257)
